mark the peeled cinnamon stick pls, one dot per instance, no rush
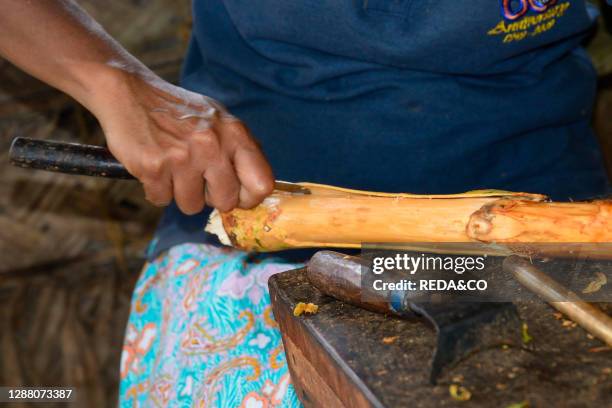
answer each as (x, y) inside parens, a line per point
(342, 218)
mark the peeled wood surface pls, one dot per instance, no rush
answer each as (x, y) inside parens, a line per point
(525, 221)
(333, 217)
(321, 221)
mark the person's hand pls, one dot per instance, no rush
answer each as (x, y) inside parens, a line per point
(181, 145)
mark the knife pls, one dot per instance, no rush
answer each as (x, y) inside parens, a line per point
(462, 327)
(86, 160)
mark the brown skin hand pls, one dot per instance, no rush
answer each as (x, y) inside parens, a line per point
(179, 144)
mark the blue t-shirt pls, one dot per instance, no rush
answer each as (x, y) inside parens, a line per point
(421, 96)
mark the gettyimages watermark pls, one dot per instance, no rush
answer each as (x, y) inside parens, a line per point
(423, 276)
(429, 272)
(411, 263)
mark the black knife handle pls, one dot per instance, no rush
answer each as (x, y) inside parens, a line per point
(70, 158)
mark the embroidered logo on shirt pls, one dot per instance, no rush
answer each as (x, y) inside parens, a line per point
(517, 24)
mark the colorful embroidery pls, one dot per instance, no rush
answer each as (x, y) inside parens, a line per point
(202, 334)
(518, 24)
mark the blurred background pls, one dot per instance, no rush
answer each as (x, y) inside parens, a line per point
(71, 247)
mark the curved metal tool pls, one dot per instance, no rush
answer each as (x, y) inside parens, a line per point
(462, 327)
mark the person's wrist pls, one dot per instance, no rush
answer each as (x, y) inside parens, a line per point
(105, 87)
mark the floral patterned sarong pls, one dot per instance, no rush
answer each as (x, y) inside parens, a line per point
(201, 333)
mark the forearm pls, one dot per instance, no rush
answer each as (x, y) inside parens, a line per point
(59, 43)
(181, 145)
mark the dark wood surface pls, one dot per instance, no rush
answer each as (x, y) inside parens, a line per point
(346, 356)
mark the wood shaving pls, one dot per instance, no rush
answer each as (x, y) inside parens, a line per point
(458, 378)
(525, 334)
(308, 308)
(459, 393)
(596, 284)
(569, 323)
(390, 340)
